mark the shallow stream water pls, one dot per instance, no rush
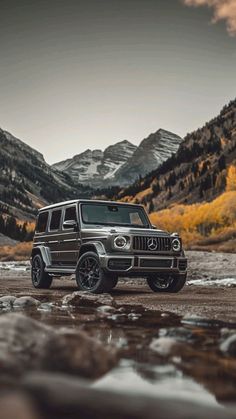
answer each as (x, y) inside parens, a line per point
(195, 370)
(161, 354)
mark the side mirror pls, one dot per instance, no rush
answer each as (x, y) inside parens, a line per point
(154, 227)
(70, 224)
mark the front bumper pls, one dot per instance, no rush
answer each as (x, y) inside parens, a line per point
(136, 265)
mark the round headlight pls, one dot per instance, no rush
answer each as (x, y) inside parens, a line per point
(176, 245)
(120, 242)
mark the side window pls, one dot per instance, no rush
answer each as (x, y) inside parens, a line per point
(135, 218)
(42, 222)
(70, 214)
(55, 220)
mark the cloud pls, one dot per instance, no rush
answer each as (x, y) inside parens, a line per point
(223, 10)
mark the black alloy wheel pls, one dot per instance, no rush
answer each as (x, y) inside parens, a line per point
(90, 276)
(40, 278)
(168, 283)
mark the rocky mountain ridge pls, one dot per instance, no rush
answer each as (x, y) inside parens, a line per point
(149, 155)
(121, 163)
(94, 166)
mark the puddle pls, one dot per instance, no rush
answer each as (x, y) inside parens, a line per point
(195, 370)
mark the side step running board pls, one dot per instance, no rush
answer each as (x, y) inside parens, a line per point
(60, 270)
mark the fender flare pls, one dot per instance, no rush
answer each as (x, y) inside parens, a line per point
(44, 252)
(97, 247)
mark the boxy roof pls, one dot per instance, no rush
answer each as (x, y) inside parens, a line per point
(85, 201)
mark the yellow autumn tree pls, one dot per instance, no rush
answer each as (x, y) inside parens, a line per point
(231, 179)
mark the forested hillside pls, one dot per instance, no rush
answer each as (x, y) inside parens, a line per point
(196, 173)
(27, 182)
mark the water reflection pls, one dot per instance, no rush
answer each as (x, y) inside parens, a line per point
(162, 381)
(195, 370)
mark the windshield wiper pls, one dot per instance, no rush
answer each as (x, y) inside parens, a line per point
(139, 226)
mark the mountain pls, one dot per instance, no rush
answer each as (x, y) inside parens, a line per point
(94, 166)
(27, 182)
(196, 173)
(121, 163)
(150, 154)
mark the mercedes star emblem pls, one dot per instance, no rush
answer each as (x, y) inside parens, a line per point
(152, 243)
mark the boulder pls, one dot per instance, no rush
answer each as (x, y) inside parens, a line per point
(27, 344)
(77, 353)
(87, 299)
(25, 302)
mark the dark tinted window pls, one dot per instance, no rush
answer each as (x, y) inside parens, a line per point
(55, 220)
(42, 222)
(114, 215)
(70, 214)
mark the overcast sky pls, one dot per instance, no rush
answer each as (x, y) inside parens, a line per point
(86, 74)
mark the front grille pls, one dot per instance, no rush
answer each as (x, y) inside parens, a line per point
(155, 263)
(152, 243)
(183, 265)
(119, 264)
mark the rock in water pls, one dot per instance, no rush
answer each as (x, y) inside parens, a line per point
(26, 344)
(164, 346)
(27, 301)
(86, 299)
(78, 354)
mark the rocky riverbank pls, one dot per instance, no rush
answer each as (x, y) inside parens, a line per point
(64, 353)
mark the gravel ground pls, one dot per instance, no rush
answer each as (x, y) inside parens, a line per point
(212, 302)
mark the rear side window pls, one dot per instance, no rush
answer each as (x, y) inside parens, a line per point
(70, 214)
(42, 222)
(55, 220)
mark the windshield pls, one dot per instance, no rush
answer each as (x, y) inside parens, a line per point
(115, 215)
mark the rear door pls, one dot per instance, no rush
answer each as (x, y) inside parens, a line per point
(70, 244)
(54, 235)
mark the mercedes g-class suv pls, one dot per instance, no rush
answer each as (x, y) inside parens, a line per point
(101, 241)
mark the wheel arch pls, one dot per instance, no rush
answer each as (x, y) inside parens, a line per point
(96, 247)
(44, 252)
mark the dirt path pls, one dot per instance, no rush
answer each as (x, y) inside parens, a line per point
(209, 302)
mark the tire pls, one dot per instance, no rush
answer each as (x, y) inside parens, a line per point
(113, 281)
(40, 278)
(169, 283)
(89, 275)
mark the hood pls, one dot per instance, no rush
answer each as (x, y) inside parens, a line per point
(126, 230)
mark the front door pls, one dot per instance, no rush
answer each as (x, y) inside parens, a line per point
(70, 242)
